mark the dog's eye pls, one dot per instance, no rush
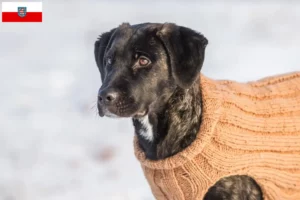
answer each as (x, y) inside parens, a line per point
(109, 61)
(143, 61)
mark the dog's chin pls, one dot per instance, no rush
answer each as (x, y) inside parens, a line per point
(108, 113)
(111, 114)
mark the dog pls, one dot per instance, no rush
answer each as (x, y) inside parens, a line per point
(150, 73)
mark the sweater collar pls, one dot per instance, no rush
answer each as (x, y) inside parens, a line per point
(211, 111)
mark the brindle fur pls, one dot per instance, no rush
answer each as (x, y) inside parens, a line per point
(234, 188)
(168, 89)
(171, 135)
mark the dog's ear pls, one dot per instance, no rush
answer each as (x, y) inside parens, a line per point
(185, 49)
(99, 50)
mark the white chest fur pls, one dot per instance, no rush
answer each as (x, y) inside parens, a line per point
(146, 131)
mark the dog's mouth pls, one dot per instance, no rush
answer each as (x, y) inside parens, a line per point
(117, 112)
(141, 114)
(107, 113)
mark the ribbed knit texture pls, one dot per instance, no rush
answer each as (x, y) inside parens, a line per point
(248, 129)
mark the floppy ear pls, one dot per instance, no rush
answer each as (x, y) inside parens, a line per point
(99, 50)
(185, 48)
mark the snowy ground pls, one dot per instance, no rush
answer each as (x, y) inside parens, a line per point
(52, 144)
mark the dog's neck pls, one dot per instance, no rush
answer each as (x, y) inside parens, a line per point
(173, 127)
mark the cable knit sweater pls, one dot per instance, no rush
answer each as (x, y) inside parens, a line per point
(248, 129)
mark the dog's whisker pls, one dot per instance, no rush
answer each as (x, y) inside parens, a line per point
(93, 106)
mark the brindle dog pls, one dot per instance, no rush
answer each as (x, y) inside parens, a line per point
(150, 72)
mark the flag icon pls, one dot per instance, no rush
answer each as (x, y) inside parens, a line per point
(22, 12)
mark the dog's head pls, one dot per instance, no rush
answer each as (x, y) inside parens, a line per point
(141, 65)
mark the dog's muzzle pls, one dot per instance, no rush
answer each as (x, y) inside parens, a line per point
(106, 99)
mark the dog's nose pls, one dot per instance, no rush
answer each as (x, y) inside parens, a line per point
(107, 96)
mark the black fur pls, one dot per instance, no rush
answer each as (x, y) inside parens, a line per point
(186, 49)
(166, 90)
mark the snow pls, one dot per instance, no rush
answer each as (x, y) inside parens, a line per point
(53, 146)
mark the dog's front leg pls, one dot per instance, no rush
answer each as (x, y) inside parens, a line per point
(238, 187)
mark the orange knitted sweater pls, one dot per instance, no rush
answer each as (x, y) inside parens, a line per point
(248, 129)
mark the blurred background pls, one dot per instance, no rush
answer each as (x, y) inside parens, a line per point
(53, 146)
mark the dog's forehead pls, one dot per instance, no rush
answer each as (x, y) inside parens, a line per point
(122, 35)
(144, 38)
(144, 31)
(127, 36)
